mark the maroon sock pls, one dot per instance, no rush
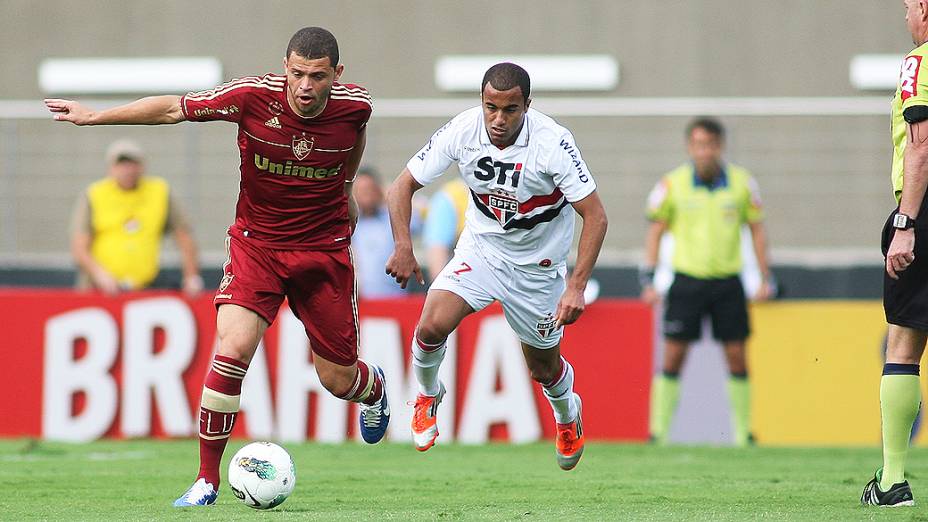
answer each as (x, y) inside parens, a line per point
(218, 410)
(360, 391)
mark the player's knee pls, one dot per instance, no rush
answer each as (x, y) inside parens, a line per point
(544, 373)
(430, 332)
(338, 383)
(237, 347)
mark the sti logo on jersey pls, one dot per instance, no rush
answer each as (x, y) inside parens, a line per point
(908, 77)
(302, 146)
(489, 169)
(503, 205)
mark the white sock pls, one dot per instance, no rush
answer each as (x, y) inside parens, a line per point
(560, 394)
(426, 359)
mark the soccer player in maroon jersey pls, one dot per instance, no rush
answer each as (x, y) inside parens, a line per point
(300, 136)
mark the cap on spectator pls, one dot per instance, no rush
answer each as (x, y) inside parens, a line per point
(124, 150)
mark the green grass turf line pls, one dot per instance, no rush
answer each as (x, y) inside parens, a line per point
(139, 479)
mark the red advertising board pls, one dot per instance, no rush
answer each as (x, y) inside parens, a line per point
(81, 366)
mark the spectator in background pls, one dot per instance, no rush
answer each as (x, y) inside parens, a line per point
(444, 222)
(118, 225)
(704, 204)
(372, 241)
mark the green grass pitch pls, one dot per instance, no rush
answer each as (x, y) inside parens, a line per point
(138, 480)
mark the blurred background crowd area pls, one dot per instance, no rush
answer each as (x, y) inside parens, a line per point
(782, 76)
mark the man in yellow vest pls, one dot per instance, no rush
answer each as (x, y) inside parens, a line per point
(119, 223)
(704, 204)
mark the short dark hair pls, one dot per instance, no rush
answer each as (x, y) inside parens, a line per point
(710, 125)
(313, 43)
(505, 76)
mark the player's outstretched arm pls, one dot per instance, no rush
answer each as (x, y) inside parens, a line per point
(153, 110)
(592, 234)
(402, 263)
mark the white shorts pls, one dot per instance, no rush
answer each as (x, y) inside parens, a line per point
(529, 299)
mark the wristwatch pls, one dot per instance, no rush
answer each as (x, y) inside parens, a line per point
(902, 221)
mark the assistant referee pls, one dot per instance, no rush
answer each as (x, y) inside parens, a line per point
(704, 204)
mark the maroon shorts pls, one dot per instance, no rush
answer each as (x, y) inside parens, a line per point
(319, 287)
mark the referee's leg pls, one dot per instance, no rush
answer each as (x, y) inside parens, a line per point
(900, 398)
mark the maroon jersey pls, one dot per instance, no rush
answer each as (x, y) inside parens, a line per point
(292, 193)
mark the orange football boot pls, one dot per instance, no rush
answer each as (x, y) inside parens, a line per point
(569, 440)
(424, 421)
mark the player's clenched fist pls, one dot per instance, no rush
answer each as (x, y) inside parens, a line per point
(69, 110)
(901, 252)
(402, 265)
(570, 306)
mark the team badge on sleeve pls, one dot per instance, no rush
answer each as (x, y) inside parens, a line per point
(908, 77)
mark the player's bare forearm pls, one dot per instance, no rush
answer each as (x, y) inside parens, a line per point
(153, 110)
(402, 264)
(190, 265)
(192, 282)
(767, 287)
(399, 204)
(354, 157)
(352, 208)
(901, 252)
(759, 241)
(652, 242)
(915, 169)
(592, 234)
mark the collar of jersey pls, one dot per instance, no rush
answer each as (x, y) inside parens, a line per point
(521, 140)
(720, 182)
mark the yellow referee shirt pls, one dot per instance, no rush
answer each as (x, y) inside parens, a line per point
(910, 99)
(706, 220)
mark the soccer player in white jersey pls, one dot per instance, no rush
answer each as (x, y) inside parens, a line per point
(526, 179)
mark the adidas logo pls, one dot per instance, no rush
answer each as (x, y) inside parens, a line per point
(273, 123)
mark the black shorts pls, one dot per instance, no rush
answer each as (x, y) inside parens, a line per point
(690, 299)
(905, 300)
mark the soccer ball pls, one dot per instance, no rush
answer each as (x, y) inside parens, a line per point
(262, 475)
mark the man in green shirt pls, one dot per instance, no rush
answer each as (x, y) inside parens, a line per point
(905, 281)
(704, 204)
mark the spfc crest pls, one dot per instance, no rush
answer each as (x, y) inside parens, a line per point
(504, 205)
(302, 146)
(546, 325)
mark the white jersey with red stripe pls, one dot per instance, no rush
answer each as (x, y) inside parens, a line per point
(519, 210)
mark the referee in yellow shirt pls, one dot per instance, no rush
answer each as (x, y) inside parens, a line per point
(704, 204)
(905, 281)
